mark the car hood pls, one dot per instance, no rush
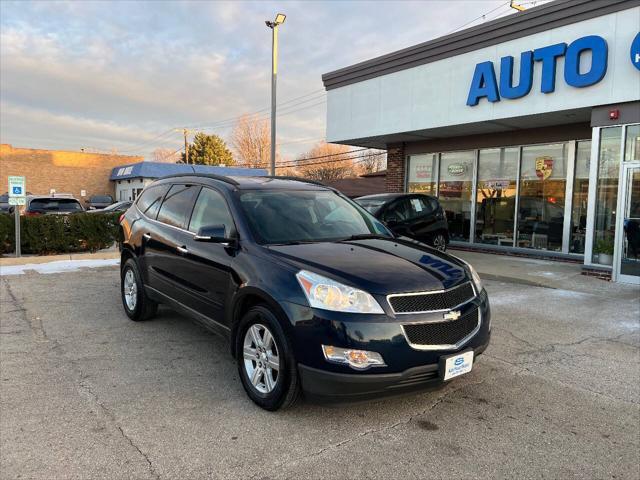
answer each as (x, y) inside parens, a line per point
(380, 266)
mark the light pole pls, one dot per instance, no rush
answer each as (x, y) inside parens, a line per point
(280, 17)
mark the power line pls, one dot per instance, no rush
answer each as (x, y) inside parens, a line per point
(476, 19)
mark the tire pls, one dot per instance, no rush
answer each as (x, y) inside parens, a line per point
(284, 387)
(439, 242)
(136, 304)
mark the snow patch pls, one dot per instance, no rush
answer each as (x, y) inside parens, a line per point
(59, 266)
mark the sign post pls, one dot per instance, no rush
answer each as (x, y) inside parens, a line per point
(17, 197)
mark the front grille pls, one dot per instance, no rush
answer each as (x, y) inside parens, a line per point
(442, 333)
(424, 302)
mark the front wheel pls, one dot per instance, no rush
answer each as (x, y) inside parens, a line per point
(134, 299)
(266, 363)
(439, 242)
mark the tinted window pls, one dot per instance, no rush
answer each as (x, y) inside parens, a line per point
(101, 199)
(305, 216)
(372, 205)
(55, 205)
(419, 207)
(398, 211)
(150, 200)
(211, 209)
(177, 205)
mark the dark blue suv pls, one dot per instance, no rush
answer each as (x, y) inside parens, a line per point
(314, 293)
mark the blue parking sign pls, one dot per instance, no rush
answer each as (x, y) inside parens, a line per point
(17, 191)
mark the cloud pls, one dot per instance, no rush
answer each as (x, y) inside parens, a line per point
(117, 74)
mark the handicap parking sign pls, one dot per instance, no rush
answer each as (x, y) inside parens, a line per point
(16, 186)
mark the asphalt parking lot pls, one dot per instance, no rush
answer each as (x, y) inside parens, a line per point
(86, 393)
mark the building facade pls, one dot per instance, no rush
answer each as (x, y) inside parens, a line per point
(55, 171)
(527, 128)
(129, 180)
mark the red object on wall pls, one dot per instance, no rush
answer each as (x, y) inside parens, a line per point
(614, 114)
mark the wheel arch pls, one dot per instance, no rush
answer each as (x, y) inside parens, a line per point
(250, 298)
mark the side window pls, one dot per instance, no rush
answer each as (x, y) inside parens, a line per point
(434, 204)
(419, 207)
(177, 205)
(398, 211)
(211, 209)
(150, 200)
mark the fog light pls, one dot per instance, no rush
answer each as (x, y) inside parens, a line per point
(358, 359)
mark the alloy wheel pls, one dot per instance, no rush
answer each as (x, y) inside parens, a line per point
(261, 358)
(130, 290)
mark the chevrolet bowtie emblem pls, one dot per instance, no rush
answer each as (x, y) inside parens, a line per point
(452, 315)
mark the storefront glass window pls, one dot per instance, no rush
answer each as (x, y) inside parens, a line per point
(543, 181)
(580, 194)
(456, 185)
(606, 195)
(422, 171)
(632, 143)
(495, 207)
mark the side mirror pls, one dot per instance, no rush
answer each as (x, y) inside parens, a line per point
(214, 234)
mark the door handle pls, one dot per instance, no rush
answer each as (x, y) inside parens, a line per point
(146, 236)
(184, 250)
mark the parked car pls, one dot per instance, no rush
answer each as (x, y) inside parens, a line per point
(413, 215)
(41, 205)
(314, 293)
(99, 201)
(114, 207)
(4, 204)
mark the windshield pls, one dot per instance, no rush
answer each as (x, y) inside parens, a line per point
(288, 216)
(101, 199)
(372, 205)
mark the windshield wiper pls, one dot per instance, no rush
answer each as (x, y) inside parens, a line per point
(365, 236)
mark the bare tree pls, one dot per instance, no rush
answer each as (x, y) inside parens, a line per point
(334, 162)
(165, 155)
(251, 141)
(371, 161)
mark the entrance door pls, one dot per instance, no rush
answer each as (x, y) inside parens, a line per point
(628, 242)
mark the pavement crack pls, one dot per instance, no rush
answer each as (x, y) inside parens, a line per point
(372, 431)
(87, 390)
(35, 323)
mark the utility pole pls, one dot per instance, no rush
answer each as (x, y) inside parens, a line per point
(186, 145)
(280, 17)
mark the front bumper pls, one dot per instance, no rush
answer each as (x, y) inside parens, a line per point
(407, 366)
(328, 386)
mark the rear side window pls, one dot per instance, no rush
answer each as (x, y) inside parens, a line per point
(150, 200)
(420, 206)
(211, 209)
(55, 205)
(177, 205)
(101, 199)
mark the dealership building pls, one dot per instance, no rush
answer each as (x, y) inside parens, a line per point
(527, 129)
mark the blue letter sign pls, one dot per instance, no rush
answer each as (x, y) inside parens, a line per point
(484, 77)
(483, 84)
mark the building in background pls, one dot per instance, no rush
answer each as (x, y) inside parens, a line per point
(366, 184)
(56, 171)
(527, 128)
(130, 179)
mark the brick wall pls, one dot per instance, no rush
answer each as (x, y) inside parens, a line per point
(395, 167)
(66, 172)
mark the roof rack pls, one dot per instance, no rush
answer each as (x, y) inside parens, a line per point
(297, 179)
(213, 176)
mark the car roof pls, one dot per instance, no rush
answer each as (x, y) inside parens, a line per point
(391, 196)
(49, 197)
(248, 182)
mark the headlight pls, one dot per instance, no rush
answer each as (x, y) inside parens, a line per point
(328, 294)
(476, 278)
(358, 359)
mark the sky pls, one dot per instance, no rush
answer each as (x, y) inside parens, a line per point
(126, 76)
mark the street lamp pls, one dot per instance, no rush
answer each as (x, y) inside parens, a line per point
(280, 17)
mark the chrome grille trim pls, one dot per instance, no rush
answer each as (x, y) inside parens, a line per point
(432, 292)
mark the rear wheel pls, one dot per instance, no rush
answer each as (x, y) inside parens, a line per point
(265, 359)
(439, 242)
(136, 304)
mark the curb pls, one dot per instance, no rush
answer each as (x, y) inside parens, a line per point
(11, 261)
